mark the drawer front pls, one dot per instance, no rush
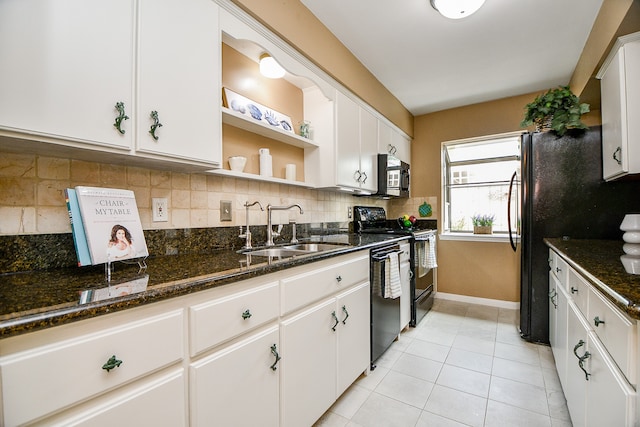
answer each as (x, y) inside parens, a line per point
(578, 290)
(561, 270)
(305, 288)
(225, 318)
(616, 331)
(40, 381)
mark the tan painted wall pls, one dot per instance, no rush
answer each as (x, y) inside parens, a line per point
(477, 269)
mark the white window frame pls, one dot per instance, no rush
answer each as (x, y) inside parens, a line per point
(445, 233)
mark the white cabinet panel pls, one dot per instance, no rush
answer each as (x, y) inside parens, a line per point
(353, 335)
(309, 364)
(620, 106)
(218, 320)
(238, 385)
(74, 61)
(348, 141)
(78, 364)
(181, 84)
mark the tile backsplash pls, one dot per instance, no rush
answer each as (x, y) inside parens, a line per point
(32, 196)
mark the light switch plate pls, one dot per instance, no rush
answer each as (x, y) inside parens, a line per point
(225, 210)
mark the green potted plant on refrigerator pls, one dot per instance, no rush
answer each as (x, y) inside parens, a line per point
(557, 110)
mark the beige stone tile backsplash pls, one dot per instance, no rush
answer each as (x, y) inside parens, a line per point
(32, 197)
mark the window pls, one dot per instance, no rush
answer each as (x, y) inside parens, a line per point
(476, 180)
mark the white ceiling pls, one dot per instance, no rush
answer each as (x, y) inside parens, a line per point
(431, 63)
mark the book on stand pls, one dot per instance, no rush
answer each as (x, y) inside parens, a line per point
(111, 224)
(77, 228)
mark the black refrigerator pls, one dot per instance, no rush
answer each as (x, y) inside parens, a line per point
(563, 195)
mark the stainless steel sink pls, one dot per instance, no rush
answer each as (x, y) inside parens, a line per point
(292, 250)
(314, 247)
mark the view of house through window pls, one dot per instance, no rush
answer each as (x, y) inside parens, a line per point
(476, 179)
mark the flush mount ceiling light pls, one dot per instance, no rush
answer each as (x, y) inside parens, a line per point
(270, 68)
(456, 9)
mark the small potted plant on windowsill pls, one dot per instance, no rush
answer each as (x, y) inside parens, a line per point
(557, 110)
(483, 224)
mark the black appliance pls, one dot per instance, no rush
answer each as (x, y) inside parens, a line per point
(373, 220)
(393, 177)
(385, 312)
(563, 195)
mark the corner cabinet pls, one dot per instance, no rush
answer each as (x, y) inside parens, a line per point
(594, 345)
(88, 74)
(620, 107)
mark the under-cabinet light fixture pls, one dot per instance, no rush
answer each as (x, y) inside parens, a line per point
(270, 68)
(457, 9)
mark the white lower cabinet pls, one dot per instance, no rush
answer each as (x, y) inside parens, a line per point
(595, 365)
(325, 348)
(272, 350)
(238, 385)
(44, 379)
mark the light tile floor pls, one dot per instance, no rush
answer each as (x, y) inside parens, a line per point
(464, 365)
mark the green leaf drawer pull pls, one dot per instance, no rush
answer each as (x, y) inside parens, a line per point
(246, 314)
(597, 321)
(582, 358)
(274, 351)
(112, 363)
(344, 310)
(121, 116)
(156, 124)
(333, 314)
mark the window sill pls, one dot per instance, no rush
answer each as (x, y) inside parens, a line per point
(470, 237)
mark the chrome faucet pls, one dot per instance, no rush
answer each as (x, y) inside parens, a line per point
(270, 232)
(247, 232)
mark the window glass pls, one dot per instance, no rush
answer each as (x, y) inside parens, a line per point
(476, 179)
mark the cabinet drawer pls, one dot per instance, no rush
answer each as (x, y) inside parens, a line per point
(578, 290)
(616, 331)
(405, 253)
(313, 285)
(221, 319)
(73, 370)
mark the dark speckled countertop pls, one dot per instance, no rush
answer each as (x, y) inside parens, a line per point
(35, 300)
(598, 261)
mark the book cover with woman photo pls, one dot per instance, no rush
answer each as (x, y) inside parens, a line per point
(111, 224)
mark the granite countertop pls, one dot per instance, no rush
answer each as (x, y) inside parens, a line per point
(31, 301)
(598, 261)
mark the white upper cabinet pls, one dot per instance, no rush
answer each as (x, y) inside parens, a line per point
(179, 79)
(356, 145)
(391, 141)
(620, 107)
(64, 68)
(88, 74)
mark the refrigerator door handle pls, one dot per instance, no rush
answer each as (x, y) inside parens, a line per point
(511, 239)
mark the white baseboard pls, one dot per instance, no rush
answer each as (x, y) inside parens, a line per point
(482, 301)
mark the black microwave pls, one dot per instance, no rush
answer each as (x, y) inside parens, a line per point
(393, 177)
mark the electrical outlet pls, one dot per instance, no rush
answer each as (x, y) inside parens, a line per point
(349, 212)
(225, 210)
(160, 208)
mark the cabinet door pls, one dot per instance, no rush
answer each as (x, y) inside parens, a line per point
(576, 383)
(65, 66)
(353, 335)
(614, 119)
(560, 351)
(610, 399)
(347, 141)
(402, 146)
(405, 298)
(368, 151)
(179, 78)
(237, 385)
(161, 403)
(385, 143)
(308, 364)
(553, 309)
